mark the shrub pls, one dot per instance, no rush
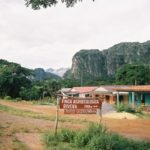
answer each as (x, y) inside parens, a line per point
(50, 139)
(7, 98)
(125, 108)
(128, 108)
(120, 108)
(18, 99)
(84, 137)
(95, 137)
(101, 142)
(66, 135)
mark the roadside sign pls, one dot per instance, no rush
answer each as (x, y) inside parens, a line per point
(80, 111)
(80, 105)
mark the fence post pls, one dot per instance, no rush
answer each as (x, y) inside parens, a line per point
(57, 115)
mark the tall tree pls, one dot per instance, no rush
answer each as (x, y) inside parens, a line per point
(37, 4)
(12, 78)
(133, 74)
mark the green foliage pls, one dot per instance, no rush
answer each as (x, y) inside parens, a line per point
(12, 78)
(95, 137)
(100, 81)
(37, 4)
(101, 142)
(81, 139)
(50, 87)
(133, 74)
(123, 107)
(17, 81)
(7, 98)
(18, 98)
(32, 93)
(67, 135)
(50, 139)
(70, 82)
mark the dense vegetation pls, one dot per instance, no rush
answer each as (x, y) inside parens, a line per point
(133, 74)
(12, 78)
(22, 83)
(95, 137)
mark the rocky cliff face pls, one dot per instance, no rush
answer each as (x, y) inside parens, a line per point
(59, 72)
(89, 64)
(94, 63)
(40, 74)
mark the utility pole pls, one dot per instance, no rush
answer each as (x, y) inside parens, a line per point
(81, 81)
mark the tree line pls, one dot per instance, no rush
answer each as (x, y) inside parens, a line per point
(19, 82)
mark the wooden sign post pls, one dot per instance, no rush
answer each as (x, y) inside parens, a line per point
(73, 105)
(80, 105)
(57, 115)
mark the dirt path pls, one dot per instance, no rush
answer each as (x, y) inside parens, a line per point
(28, 130)
(26, 138)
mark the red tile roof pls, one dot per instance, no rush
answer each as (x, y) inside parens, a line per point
(139, 88)
(85, 89)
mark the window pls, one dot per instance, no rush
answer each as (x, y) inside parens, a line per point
(87, 95)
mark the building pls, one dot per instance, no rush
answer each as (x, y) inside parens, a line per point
(105, 93)
(138, 95)
(109, 95)
(83, 92)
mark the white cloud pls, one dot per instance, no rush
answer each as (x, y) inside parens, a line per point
(50, 37)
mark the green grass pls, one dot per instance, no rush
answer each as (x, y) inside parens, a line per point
(143, 115)
(94, 137)
(24, 113)
(36, 115)
(57, 142)
(46, 101)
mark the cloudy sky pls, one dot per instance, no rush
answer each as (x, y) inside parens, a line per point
(50, 37)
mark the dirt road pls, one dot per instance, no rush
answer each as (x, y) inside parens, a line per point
(136, 129)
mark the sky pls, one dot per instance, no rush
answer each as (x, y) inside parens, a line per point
(48, 38)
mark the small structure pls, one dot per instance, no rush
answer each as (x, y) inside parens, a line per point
(64, 92)
(105, 93)
(109, 95)
(138, 95)
(83, 92)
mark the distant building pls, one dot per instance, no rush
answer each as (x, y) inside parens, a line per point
(105, 93)
(109, 95)
(138, 95)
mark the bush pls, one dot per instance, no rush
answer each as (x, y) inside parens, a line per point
(50, 139)
(18, 99)
(95, 137)
(66, 135)
(125, 108)
(7, 98)
(84, 137)
(101, 142)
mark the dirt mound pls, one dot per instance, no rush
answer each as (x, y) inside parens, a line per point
(121, 115)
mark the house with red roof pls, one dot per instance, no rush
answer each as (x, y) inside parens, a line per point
(83, 92)
(105, 93)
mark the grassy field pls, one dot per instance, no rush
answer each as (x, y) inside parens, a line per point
(94, 137)
(24, 125)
